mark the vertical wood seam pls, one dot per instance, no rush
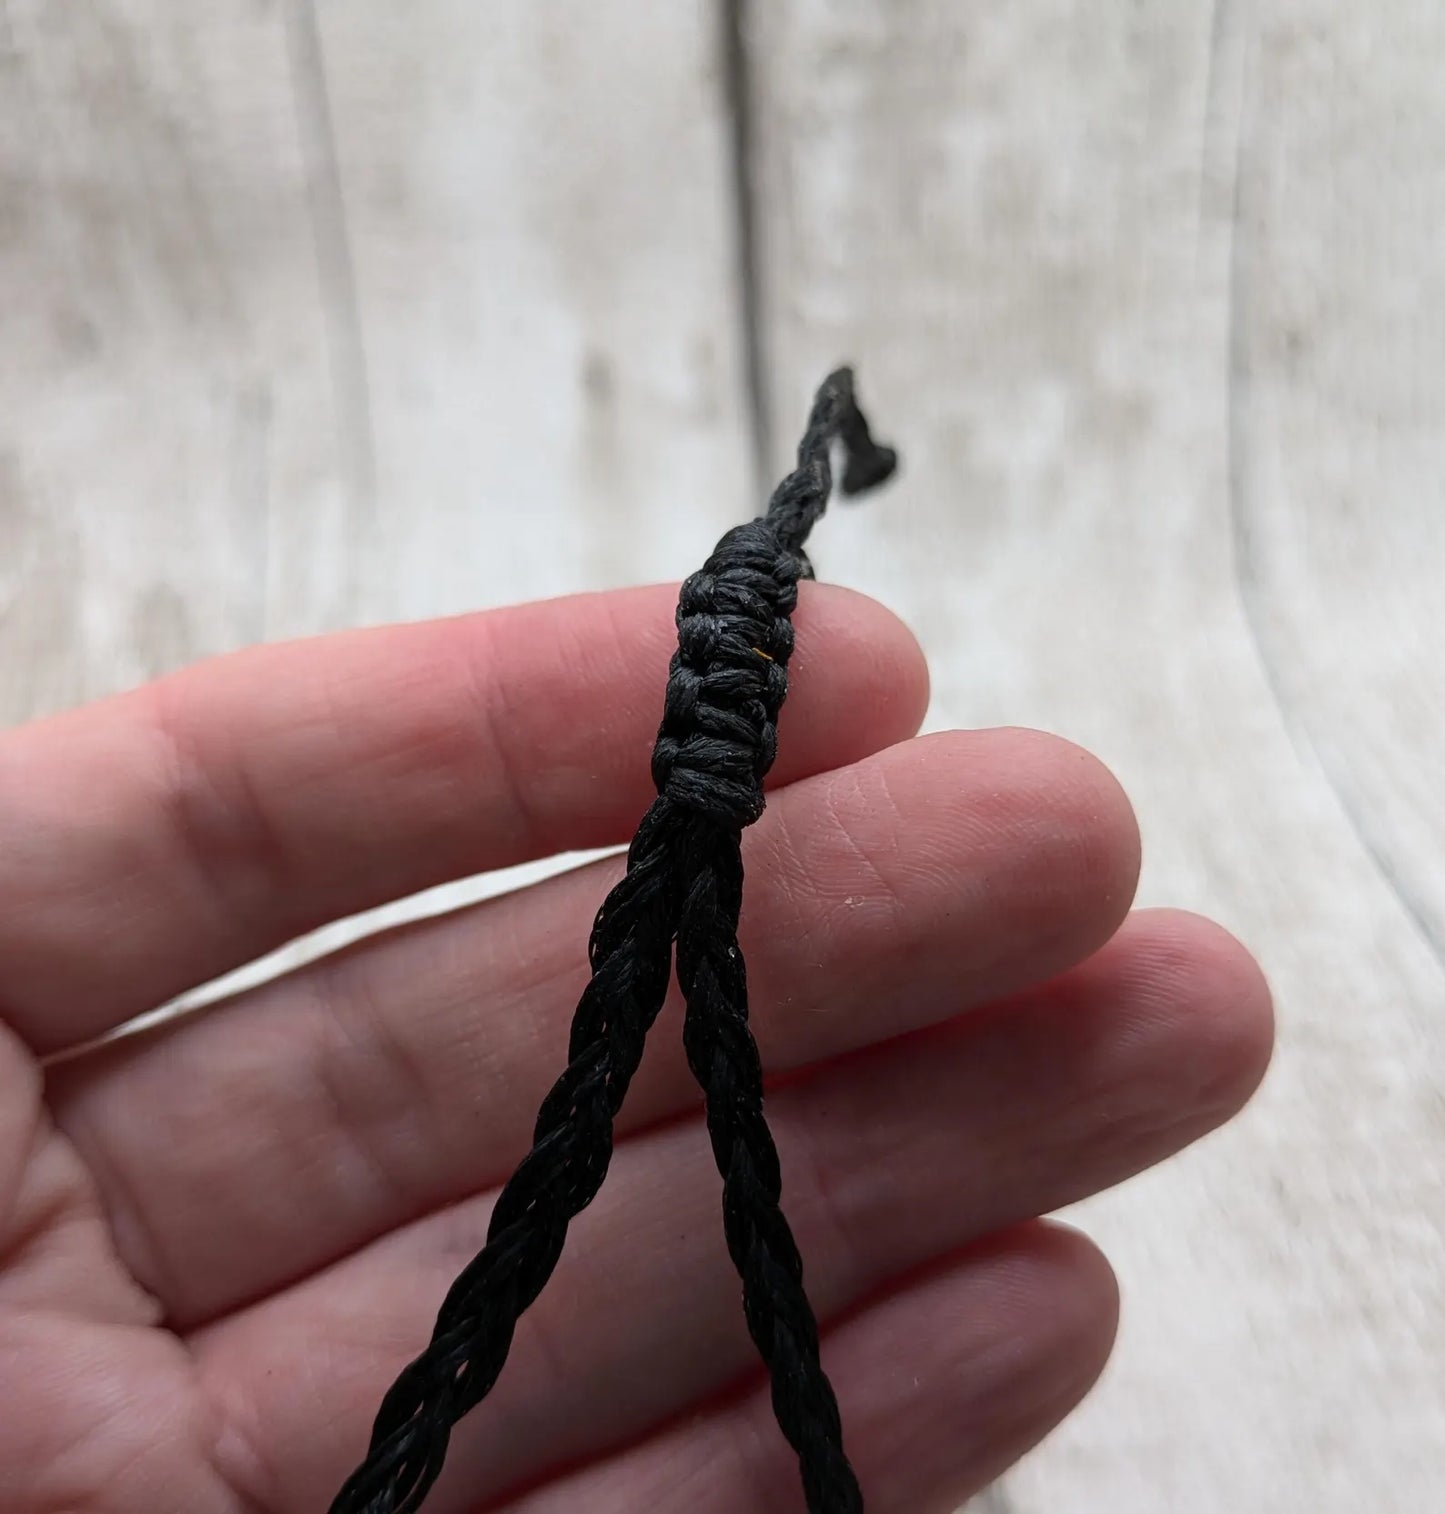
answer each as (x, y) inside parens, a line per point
(335, 265)
(740, 109)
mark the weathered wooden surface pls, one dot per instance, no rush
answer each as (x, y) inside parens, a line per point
(1154, 290)
(317, 314)
(322, 313)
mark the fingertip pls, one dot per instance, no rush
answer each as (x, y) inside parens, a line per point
(1051, 1274)
(1079, 1277)
(967, 1366)
(861, 632)
(859, 675)
(1216, 991)
(1068, 785)
(1036, 798)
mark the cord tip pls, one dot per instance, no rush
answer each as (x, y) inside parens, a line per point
(865, 470)
(868, 462)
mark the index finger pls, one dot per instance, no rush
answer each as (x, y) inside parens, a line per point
(161, 838)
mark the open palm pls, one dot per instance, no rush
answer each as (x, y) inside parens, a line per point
(220, 1239)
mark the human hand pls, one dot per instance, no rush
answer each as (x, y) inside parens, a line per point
(221, 1238)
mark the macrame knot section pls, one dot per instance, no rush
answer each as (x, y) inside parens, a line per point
(728, 678)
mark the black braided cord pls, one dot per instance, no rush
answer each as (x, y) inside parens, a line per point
(683, 883)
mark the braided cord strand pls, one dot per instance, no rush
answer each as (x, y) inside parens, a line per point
(683, 883)
(736, 614)
(631, 958)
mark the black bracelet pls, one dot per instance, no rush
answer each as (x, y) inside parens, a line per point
(683, 883)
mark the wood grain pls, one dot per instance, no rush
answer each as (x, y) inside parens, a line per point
(1338, 449)
(331, 314)
(162, 392)
(327, 322)
(319, 313)
(1149, 294)
(539, 247)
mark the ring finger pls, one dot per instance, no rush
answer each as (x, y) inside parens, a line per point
(892, 1159)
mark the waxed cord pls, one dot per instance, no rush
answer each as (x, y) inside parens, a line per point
(682, 886)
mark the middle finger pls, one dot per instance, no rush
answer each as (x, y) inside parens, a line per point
(247, 1146)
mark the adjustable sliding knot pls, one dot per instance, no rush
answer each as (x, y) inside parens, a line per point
(728, 678)
(683, 889)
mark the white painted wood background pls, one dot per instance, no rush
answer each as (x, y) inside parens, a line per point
(321, 313)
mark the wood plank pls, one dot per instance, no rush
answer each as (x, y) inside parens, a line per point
(341, 314)
(539, 213)
(1339, 435)
(348, 313)
(1020, 222)
(163, 388)
(523, 225)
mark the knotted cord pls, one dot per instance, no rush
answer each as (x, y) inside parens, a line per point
(683, 884)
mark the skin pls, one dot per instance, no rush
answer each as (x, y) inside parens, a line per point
(219, 1240)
